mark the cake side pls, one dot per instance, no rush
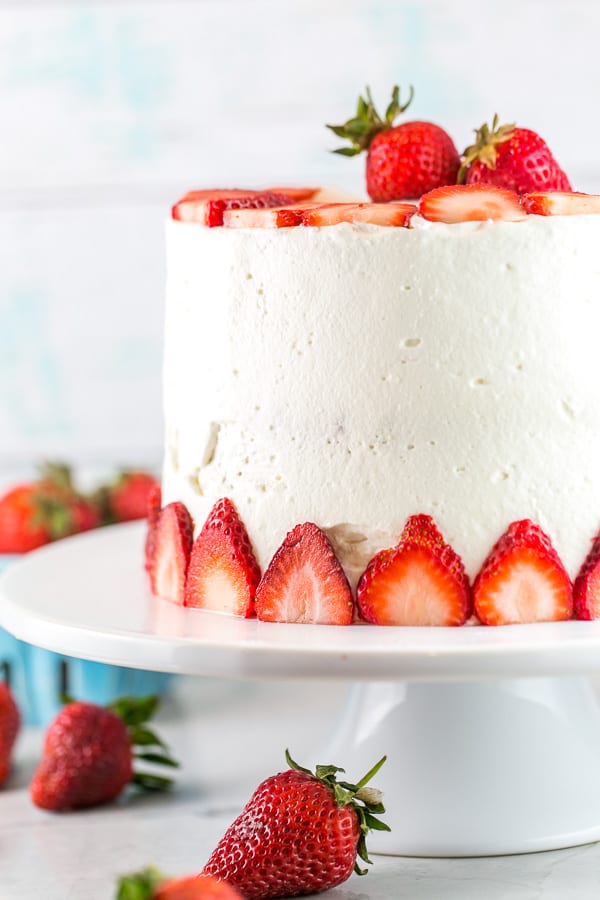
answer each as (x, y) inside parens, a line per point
(355, 375)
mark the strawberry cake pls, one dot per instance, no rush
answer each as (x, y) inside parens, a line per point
(382, 412)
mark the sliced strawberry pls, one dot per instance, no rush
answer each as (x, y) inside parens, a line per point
(223, 572)
(295, 194)
(421, 581)
(523, 580)
(153, 513)
(274, 217)
(304, 582)
(470, 203)
(171, 556)
(390, 214)
(560, 203)
(586, 590)
(207, 207)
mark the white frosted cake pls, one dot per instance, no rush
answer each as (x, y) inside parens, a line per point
(356, 375)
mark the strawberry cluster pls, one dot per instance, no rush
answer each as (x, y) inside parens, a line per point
(419, 581)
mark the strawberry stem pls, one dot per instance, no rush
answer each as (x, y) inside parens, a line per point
(135, 713)
(139, 886)
(367, 123)
(366, 802)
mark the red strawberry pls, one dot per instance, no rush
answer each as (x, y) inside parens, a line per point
(421, 581)
(10, 720)
(471, 203)
(298, 834)
(152, 516)
(223, 572)
(388, 214)
(207, 207)
(523, 580)
(403, 161)
(513, 158)
(173, 541)
(44, 510)
(305, 583)
(89, 754)
(586, 590)
(126, 498)
(150, 884)
(560, 203)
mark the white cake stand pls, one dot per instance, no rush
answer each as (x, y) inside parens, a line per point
(492, 734)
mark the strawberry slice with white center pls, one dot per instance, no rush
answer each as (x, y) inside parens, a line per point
(523, 580)
(275, 217)
(471, 203)
(305, 583)
(207, 207)
(386, 214)
(586, 590)
(223, 572)
(171, 555)
(421, 581)
(560, 203)
(153, 514)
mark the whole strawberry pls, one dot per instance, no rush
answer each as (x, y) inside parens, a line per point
(403, 161)
(298, 834)
(10, 720)
(44, 510)
(150, 884)
(89, 754)
(513, 158)
(127, 497)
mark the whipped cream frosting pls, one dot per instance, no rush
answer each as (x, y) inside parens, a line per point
(354, 375)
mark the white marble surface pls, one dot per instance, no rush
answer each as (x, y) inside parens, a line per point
(229, 735)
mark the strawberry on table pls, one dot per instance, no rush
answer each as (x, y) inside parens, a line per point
(403, 161)
(420, 581)
(44, 510)
(586, 590)
(223, 573)
(126, 497)
(471, 203)
(561, 203)
(305, 583)
(150, 884)
(300, 833)
(90, 752)
(10, 721)
(170, 551)
(513, 158)
(523, 580)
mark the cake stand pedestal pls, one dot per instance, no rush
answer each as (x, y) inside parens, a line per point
(492, 734)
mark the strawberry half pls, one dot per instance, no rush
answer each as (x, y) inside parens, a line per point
(523, 580)
(275, 217)
(471, 203)
(560, 203)
(207, 207)
(586, 590)
(223, 573)
(171, 555)
(153, 508)
(304, 582)
(421, 581)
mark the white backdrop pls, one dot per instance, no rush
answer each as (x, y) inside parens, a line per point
(109, 110)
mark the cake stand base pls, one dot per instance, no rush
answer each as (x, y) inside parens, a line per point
(478, 769)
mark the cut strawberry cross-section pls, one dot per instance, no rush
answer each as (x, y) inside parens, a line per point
(421, 581)
(207, 207)
(274, 217)
(560, 203)
(171, 553)
(388, 214)
(223, 572)
(305, 583)
(586, 590)
(471, 203)
(523, 580)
